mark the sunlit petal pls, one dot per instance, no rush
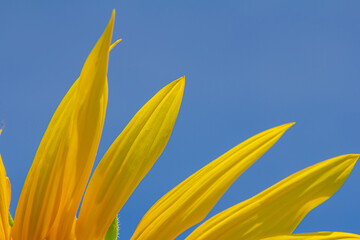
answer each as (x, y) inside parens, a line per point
(114, 44)
(316, 236)
(62, 165)
(128, 160)
(280, 208)
(189, 202)
(56, 182)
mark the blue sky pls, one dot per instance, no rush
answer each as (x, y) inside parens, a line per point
(249, 66)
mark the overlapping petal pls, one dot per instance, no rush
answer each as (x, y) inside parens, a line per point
(56, 181)
(316, 236)
(280, 208)
(5, 195)
(128, 160)
(189, 202)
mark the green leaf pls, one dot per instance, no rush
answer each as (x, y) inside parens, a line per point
(11, 221)
(112, 232)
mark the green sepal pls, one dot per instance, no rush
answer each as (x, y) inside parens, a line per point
(112, 232)
(11, 221)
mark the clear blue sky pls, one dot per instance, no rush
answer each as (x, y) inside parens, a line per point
(249, 66)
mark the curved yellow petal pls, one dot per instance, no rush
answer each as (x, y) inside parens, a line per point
(316, 236)
(128, 160)
(62, 165)
(5, 195)
(45, 174)
(114, 44)
(280, 208)
(190, 201)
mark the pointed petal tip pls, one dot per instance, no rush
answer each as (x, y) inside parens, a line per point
(112, 16)
(110, 25)
(348, 159)
(289, 125)
(182, 79)
(112, 19)
(284, 127)
(352, 157)
(180, 82)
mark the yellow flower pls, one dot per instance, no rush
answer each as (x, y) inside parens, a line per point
(62, 165)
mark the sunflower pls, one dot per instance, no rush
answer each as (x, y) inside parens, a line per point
(58, 177)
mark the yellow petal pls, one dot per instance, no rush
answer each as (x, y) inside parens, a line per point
(62, 165)
(189, 202)
(114, 44)
(316, 236)
(5, 195)
(44, 177)
(128, 160)
(280, 208)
